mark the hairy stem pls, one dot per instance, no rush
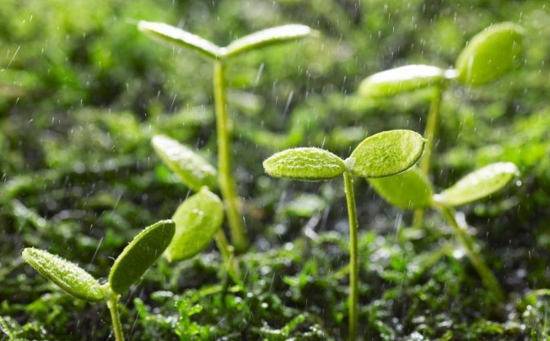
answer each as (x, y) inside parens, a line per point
(430, 134)
(228, 256)
(227, 184)
(112, 304)
(487, 276)
(354, 269)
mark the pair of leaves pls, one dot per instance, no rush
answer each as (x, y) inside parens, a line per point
(253, 41)
(380, 155)
(488, 56)
(411, 189)
(194, 171)
(128, 268)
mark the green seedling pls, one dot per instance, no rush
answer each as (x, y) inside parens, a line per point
(199, 218)
(220, 57)
(128, 268)
(488, 56)
(381, 155)
(413, 190)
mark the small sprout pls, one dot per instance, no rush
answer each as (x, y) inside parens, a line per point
(220, 55)
(180, 37)
(192, 169)
(311, 164)
(409, 190)
(479, 184)
(140, 254)
(270, 36)
(68, 276)
(132, 263)
(490, 54)
(197, 221)
(387, 153)
(402, 79)
(380, 155)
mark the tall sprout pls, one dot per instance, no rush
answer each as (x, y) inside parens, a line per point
(220, 56)
(384, 154)
(487, 57)
(413, 190)
(127, 269)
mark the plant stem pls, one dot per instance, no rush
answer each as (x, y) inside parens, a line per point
(227, 184)
(430, 134)
(112, 304)
(228, 256)
(487, 276)
(353, 262)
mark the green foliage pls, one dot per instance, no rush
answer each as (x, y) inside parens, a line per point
(68, 276)
(197, 220)
(479, 184)
(312, 164)
(402, 79)
(268, 37)
(192, 169)
(180, 37)
(490, 54)
(386, 153)
(140, 254)
(408, 190)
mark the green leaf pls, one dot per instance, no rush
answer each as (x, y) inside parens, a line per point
(68, 276)
(181, 38)
(197, 220)
(386, 153)
(479, 184)
(192, 169)
(312, 164)
(140, 254)
(267, 37)
(408, 190)
(490, 54)
(402, 79)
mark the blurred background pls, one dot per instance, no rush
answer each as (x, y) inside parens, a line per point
(82, 92)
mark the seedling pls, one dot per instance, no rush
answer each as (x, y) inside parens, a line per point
(381, 155)
(220, 56)
(199, 218)
(488, 56)
(413, 190)
(128, 268)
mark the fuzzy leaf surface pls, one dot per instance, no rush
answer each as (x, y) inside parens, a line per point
(67, 275)
(479, 184)
(197, 220)
(140, 254)
(194, 171)
(490, 54)
(386, 153)
(312, 164)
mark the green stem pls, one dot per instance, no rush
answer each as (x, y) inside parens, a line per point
(430, 134)
(354, 269)
(228, 255)
(487, 276)
(227, 184)
(112, 304)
